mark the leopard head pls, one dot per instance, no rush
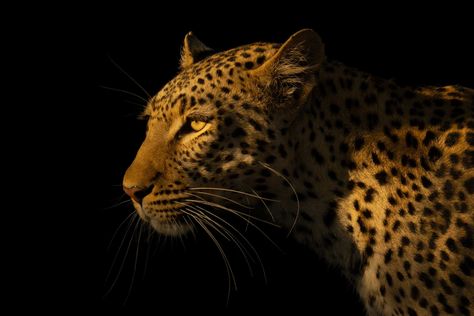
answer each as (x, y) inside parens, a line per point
(215, 138)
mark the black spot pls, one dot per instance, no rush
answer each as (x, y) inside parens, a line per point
(381, 177)
(362, 227)
(414, 293)
(452, 139)
(411, 141)
(434, 310)
(467, 265)
(367, 213)
(219, 73)
(405, 160)
(411, 208)
(260, 60)
(426, 279)
(406, 266)
(238, 132)
(405, 241)
(396, 225)
(392, 201)
(426, 182)
(446, 288)
(255, 124)
(423, 303)
(448, 190)
(369, 195)
(356, 205)
(470, 138)
(469, 185)
(372, 120)
(329, 217)
(418, 258)
(270, 159)
(225, 89)
(411, 312)
(389, 279)
(317, 156)
(381, 146)
(282, 151)
(249, 65)
(200, 81)
(429, 137)
(388, 256)
(358, 143)
(456, 280)
(375, 159)
(454, 159)
(451, 244)
(369, 251)
(434, 154)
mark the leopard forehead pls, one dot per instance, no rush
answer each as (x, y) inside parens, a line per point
(218, 80)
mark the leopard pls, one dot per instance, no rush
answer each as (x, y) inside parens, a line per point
(375, 177)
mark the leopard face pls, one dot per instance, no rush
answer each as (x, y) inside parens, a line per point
(210, 131)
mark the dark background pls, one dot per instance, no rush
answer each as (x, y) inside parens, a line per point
(97, 134)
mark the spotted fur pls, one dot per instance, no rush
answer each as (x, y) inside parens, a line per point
(383, 174)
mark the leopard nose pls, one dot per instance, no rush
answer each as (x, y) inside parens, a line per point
(137, 193)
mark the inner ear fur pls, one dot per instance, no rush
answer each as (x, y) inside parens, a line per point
(289, 74)
(193, 51)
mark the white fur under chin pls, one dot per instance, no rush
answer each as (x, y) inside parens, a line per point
(169, 228)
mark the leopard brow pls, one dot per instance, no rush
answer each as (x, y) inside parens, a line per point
(200, 114)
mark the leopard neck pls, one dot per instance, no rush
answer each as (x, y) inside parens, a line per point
(346, 107)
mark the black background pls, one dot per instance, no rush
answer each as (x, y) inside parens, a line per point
(94, 134)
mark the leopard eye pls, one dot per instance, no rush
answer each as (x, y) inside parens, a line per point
(197, 125)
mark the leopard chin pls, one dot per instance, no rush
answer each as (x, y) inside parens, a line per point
(171, 228)
(169, 222)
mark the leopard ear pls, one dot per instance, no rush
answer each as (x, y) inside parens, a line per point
(193, 51)
(290, 72)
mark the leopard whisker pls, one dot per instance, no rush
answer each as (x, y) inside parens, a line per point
(231, 237)
(224, 198)
(130, 77)
(294, 192)
(218, 227)
(130, 225)
(264, 204)
(125, 92)
(135, 263)
(119, 227)
(117, 204)
(124, 258)
(230, 272)
(202, 212)
(243, 247)
(233, 191)
(239, 214)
